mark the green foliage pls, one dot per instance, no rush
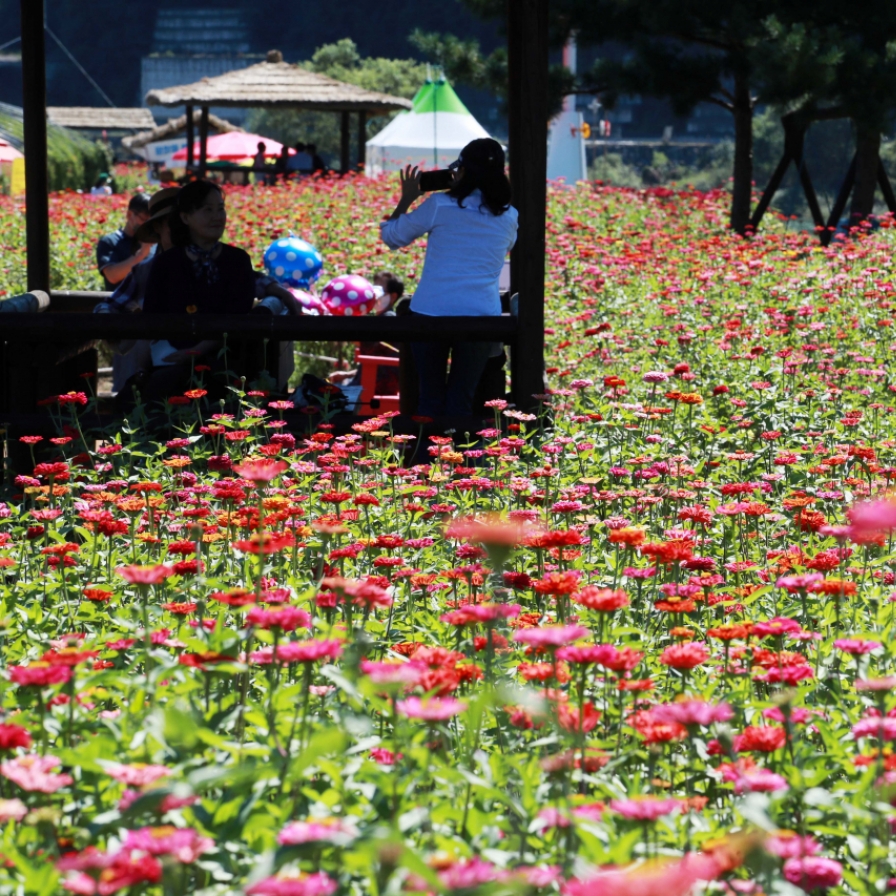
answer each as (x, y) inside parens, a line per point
(73, 162)
(342, 61)
(833, 54)
(610, 169)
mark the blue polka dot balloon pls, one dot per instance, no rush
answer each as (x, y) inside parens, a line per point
(293, 262)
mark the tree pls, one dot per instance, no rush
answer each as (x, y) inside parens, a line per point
(342, 61)
(813, 59)
(840, 62)
(687, 51)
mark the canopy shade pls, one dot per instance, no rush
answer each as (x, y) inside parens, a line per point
(233, 147)
(432, 134)
(279, 85)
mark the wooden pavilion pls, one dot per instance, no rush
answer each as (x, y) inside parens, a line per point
(275, 84)
(32, 343)
(100, 118)
(173, 128)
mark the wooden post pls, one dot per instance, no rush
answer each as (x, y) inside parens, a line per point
(345, 146)
(799, 159)
(770, 191)
(203, 141)
(191, 138)
(886, 187)
(34, 103)
(362, 139)
(840, 203)
(527, 51)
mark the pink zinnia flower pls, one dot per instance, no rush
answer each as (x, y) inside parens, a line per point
(338, 831)
(436, 709)
(137, 774)
(645, 808)
(776, 627)
(586, 654)
(790, 845)
(675, 878)
(145, 575)
(407, 673)
(300, 884)
(309, 651)
(552, 817)
(685, 656)
(119, 871)
(857, 646)
(538, 876)
(885, 728)
(469, 874)
(490, 530)
(12, 810)
(759, 780)
(183, 844)
(260, 471)
(876, 684)
(477, 614)
(286, 619)
(550, 636)
(692, 712)
(34, 773)
(813, 872)
(795, 584)
(869, 517)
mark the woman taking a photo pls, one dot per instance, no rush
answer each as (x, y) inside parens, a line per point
(470, 228)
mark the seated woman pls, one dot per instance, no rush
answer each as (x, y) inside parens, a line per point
(471, 229)
(199, 275)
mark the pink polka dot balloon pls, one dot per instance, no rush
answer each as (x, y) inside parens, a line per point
(311, 304)
(349, 295)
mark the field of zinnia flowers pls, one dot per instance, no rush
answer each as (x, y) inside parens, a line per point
(640, 643)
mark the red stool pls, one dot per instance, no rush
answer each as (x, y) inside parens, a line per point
(379, 383)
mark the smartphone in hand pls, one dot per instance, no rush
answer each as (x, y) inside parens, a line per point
(430, 181)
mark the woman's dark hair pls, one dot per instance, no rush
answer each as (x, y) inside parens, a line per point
(483, 164)
(190, 198)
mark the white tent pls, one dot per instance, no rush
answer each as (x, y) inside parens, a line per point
(430, 135)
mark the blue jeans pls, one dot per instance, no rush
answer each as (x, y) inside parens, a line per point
(444, 391)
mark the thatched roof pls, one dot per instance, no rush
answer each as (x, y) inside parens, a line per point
(90, 118)
(279, 85)
(176, 126)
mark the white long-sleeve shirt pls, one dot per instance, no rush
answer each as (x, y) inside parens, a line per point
(464, 255)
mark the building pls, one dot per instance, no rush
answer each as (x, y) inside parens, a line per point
(192, 44)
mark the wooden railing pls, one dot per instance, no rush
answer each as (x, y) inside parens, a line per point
(56, 326)
(49, 352)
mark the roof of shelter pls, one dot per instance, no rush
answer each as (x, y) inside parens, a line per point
(278, 84)
(175, 126)
(106, 117)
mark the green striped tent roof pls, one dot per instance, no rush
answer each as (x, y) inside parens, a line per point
(438, 96)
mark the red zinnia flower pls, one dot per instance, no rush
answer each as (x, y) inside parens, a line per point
(685, 656)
